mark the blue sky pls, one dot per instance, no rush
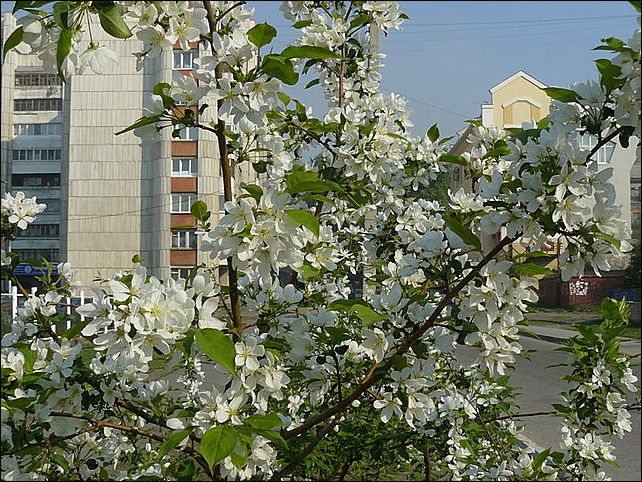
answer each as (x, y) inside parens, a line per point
(450, 53)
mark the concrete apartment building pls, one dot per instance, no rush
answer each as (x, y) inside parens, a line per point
(109, 197)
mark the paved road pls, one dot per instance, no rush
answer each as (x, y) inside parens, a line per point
(541, 387)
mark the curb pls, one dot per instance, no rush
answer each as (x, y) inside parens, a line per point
(548, 338)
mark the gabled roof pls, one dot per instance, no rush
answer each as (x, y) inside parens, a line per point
(522, 74)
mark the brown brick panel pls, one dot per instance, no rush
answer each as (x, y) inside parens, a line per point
(184, 184)
(182, 220)
(182, 108)
(192, 45)
(182, 257)
(184, 148)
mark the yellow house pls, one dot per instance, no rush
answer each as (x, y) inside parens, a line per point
(517, 99)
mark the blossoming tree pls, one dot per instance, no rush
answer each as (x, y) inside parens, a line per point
(190, 380)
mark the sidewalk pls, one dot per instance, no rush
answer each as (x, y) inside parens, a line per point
(559, 335)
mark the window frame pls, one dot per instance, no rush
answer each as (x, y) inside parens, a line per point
(587, 142)
(184, 239)
(193, 54)
(29, 130)
(180, 197)
(175, 272)
(190, 132)
(180, 172)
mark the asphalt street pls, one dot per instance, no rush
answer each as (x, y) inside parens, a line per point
(541, 386)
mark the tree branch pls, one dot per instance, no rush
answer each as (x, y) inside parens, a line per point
(603, 142)
(125, 428)
(226, 168)
(371, 378)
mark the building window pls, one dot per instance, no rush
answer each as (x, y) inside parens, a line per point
(185, 60)
(21, 105)
(185, 134)
(53, 205)
(179, 272)
(40, 231)
(51, 255)
(603, 154)
(29, 79)
(184, 239)
(181, 203)
(35, 180)
(36, 154)
(184, 167)
(36, 129)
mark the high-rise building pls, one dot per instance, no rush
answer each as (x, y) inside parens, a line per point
(108, 197)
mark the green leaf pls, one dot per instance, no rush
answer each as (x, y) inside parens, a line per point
(539, 460)
(217, 346)
(616, 243)
(60, 460)
(311, 83)
(60, 14)
(459, 160)
(13, 40)
(302, 23)
(345, 305)
(255, 191)
(609, 74)
(217, 443)
(284, 98)
(261, 34)
(280, 68)
(561, 408)
(319, 197)
(30, 358)
(433, 133)
(635, 4)
(531, 269)
(199, 210)
(266, 421)
(610, 309)
(500, 149)
(308, 52)
(63, 49)
(563, 95)
(532, 254)
(112, 22)
(367, 314)
(360, 20)
(143, 121)
(304, 218)
(271, 435)
(75, 330)
(462, 231)
(307, 181)
(361, 308)
(173, 439)
(20, 4)
(612, 44)
(309, 272)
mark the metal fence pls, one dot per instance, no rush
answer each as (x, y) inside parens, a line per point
(13, 300)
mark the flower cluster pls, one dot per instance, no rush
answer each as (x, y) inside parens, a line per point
(351, 289)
